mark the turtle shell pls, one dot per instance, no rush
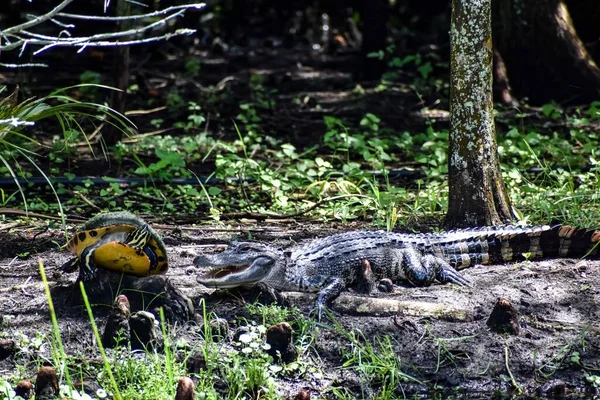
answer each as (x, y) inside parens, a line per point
(106, 234)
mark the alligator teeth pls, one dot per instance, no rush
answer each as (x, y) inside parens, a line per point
(221, 272)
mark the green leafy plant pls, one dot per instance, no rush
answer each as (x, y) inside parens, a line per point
(17, 119)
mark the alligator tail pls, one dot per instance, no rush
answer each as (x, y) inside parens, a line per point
(504, 244)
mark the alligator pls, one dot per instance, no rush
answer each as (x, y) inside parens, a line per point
(330, 264)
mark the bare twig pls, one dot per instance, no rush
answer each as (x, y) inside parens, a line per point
(359, 305)
(28, 65)
(6, 227)
(36, 21)
(136, 138)
(86, 200)
(135, 113)
(167, 10)
(19, 36)
(14, 211)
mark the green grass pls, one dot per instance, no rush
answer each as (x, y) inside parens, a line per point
(19, 148)
(379, 368)
(234, 368)
(241, 368)
(276, 179)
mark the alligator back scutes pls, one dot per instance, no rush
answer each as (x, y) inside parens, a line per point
(341, 244)
(469, 234)
(464, 247)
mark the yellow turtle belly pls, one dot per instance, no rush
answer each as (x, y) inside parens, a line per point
(119, 257)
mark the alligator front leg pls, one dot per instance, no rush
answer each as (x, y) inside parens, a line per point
(332, 289)
(423, 270)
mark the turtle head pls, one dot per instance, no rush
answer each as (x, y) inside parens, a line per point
(138, 238)
(241, 264)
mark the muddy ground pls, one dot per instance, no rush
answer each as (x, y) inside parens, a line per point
(453, 350)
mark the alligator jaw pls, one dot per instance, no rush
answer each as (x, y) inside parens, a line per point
(232, 274)
(220, 272)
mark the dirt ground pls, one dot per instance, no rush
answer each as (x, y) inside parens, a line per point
(451, 350)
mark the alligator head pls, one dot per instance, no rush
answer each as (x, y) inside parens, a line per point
(242, 263)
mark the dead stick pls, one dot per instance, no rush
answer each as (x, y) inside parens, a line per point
(373, 306)
(86, 200)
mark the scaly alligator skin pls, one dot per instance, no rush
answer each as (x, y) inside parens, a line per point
(330, 264)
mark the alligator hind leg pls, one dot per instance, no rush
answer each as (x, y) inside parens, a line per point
(443, 271)
(423, 270)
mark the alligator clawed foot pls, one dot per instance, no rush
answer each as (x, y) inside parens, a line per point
(272, 295)
(447, 274)
(430, 268)
(318, 311)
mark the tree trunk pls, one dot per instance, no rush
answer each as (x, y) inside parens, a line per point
(375, 16)
(586, 19)
(544, 56)
(477, 194)
(112, 135)
(502, 90)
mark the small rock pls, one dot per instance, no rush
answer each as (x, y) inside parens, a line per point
(145, 333)
(302, 395)
(8, 347)
(554, 389)
(46, 384)
(24, 389)
(195, 362)
(385, 285)
(185, 389)
(218, 327)
(116, 332)
(279, 337)
(504, 318)
(90, 387)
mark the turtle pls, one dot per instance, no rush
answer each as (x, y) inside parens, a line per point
(116, 241)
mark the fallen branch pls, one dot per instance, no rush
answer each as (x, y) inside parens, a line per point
(379, 307)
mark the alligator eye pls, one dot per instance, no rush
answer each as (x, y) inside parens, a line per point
(245, 247)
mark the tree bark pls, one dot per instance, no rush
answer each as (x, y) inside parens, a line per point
(502, 90)
(375, 16)
(112, 135)
(586, 19)
(544, 56)
(477, 193)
